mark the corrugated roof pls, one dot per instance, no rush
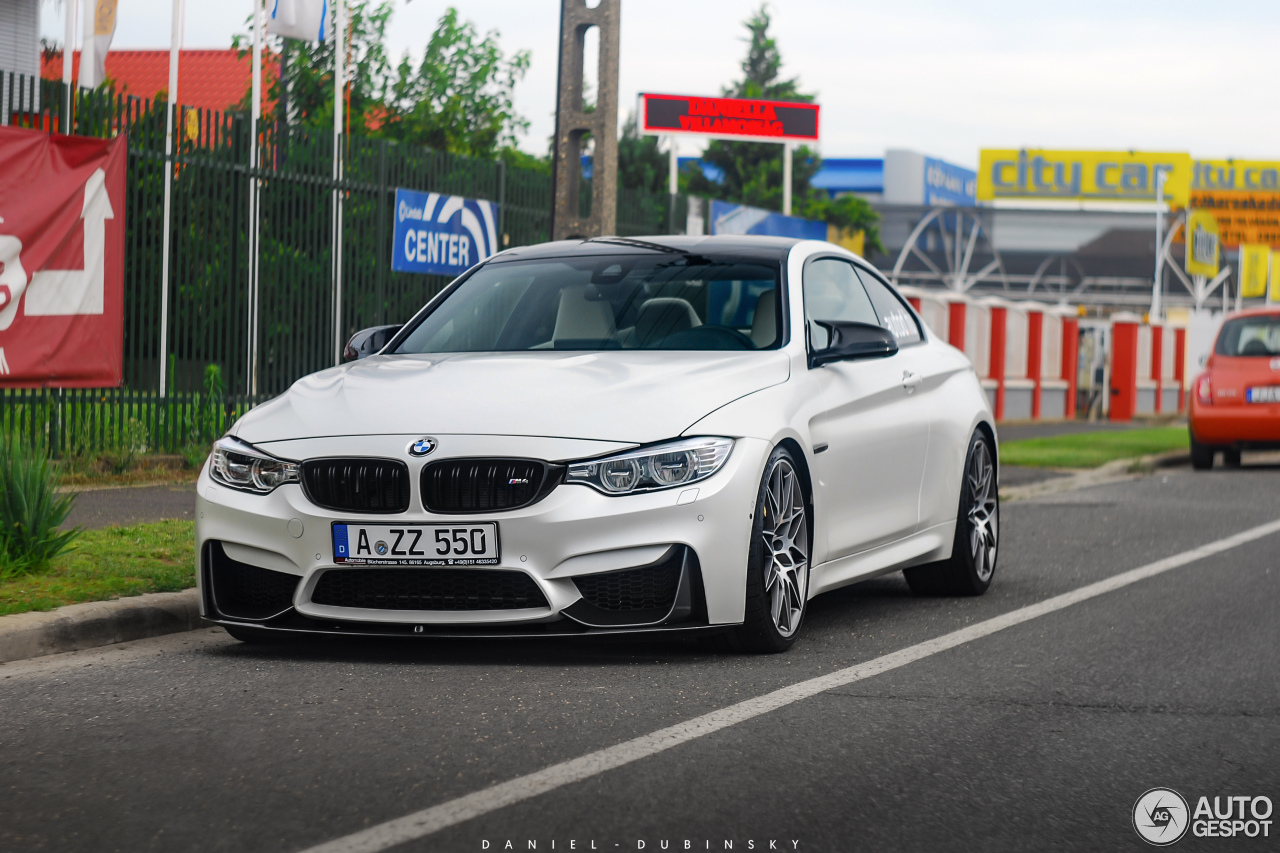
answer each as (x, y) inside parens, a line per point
(207, 79)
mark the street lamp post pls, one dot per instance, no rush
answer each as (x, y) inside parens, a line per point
(1161, 176)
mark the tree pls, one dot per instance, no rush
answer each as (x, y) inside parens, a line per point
(753, 170)
(458, 98)
(641, 166)
(310, 66)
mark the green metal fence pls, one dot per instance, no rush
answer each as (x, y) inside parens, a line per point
(209, 304)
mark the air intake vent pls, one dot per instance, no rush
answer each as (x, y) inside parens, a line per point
(650, 588)
(428, 589)
(242, 591)
(357, 485)
(486, 485)
(663, 592)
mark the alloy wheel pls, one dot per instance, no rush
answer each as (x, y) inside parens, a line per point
(785, 530)
(983, 512)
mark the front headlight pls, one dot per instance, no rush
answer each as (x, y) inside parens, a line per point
(662, 466)
(240, 465)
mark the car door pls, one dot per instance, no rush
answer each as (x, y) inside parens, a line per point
(869, 429)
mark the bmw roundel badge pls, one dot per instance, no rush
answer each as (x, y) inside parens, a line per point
(423, 446)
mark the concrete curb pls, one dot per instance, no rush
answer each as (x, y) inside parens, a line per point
(97, 623)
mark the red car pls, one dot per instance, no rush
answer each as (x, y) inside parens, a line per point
(1235, 402)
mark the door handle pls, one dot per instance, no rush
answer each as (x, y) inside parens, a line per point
(910, 381)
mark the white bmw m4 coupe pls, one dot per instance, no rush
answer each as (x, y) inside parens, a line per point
(615, 435)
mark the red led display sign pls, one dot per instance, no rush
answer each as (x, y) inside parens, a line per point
(729, 118)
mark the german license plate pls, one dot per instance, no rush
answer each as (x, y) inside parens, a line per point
(416, 544)
(1263, 394)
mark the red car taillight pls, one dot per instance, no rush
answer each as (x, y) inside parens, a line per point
(1204, 390)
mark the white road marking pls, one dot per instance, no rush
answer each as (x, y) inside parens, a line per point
(431, 820)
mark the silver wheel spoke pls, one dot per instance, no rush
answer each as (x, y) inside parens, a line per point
(983, 512)
(785, 531)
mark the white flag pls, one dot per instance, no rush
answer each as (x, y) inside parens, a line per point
(99, 27)
(299, 19)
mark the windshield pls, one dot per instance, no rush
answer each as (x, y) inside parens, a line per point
(1250, 336)
(675, 302)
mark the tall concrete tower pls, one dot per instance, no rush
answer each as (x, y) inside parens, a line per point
(573, 123)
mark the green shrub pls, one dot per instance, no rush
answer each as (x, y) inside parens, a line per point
(30, 511)
(194, 455)
(131, 444)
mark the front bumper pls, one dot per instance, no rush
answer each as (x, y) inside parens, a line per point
(573, 532)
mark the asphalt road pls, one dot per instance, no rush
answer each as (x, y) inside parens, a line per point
(132, 505)
(1039, 736)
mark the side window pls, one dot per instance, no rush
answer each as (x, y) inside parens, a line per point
(893, 313)
(832, 292)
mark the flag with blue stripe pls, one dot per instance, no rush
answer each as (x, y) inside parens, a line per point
(299, 19)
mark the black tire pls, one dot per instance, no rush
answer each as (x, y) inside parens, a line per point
(972, 564)
(1230, 457)
(252, 635)
(781, 577)
(1201, 455)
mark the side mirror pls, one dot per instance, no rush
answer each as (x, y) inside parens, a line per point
(366, 342)
(849, 340)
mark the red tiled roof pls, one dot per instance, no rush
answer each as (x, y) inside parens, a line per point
(207, 79)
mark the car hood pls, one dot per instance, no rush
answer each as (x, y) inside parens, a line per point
(628, 396)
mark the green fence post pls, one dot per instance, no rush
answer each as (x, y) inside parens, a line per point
(502, 206)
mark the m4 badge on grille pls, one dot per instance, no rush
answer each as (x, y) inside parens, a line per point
(423, 446)
(518, 481)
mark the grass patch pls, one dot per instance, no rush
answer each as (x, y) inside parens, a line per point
(1091, 449)
(147, 470)
(109, 563)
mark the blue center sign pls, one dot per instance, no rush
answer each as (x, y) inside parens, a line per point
(442, 234)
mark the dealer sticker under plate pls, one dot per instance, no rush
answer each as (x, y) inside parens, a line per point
(416, 544)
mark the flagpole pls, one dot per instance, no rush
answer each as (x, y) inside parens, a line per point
(175, 43)
(88, 61)
(339, 83)
(255, 114)
(68, 53)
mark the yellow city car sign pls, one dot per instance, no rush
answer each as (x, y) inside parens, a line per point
(1123, 176)
(1203, 246)
(1245, 197)
(1273, 294)
(1255, 263)
(1239, 175)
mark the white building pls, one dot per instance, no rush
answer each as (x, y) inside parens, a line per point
(19, 54)
(20, 36)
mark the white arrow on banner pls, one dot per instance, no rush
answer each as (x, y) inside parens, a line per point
(63, 292)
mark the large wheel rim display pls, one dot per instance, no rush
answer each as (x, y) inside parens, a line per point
(983, 512)
(786, 541)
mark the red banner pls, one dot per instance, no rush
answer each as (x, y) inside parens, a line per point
(61, 260)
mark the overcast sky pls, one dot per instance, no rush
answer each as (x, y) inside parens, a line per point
(942, 77)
